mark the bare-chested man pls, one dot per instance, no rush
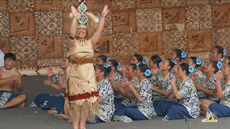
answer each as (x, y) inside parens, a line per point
(10, 78)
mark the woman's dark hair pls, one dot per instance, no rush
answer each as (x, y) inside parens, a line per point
(156, 60)
(220, 50)
(214, 65)
(10, 56)
(194, 61)
(114, 63)
(103, 69)
(143, 67)
(139, 57)
(185, 67)
(134, 66)
(171, 64)
(103, 58)
(178, 52)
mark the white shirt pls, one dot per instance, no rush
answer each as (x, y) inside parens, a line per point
(1, 58)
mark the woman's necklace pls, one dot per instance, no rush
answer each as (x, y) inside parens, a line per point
(81, 42)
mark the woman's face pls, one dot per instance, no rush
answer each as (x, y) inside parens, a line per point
(190, 62)
(151, 64)
(133, 60)
(99, 61)
(180, 72)
(226, 61)
(129, 71)
(226, 70)
(164, 65)
(208, 68)
(139, 73)
(65, 63)
(98, 73)
(173, 55)
(82, 33)
(214, 54)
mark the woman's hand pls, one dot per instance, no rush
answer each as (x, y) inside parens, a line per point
(219, 76)
(173, 81)
(105, 11)
(75, 12)
(154, 71)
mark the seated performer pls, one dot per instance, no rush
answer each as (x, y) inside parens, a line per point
(188, 104)
(10, 78)
(163, 88)
(106, 94)
(54, 104)
(217, 53)
(223, 91)
(143, 109)
(206, 90)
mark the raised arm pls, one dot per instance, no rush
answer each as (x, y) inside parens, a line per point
(96, 36)
(73, 26)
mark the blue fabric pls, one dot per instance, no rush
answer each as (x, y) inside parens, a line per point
(217, 101)
(98, 120)
(134, 113)
(14, 95)
(49, 101)
(219, 110)
(171, 109)
(119, 107)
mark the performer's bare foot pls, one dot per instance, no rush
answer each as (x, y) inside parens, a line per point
(63, 117)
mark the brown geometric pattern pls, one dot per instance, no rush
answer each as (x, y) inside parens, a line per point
(174, 19)
(124, 21)
(200, 41)
(221, 15)
(98, 4)
(49, 47)
(21, 24)
(149, 20)
(125, 45)
(4, 45)
(65, 42)
(174, 39)
(123, 4)
(48, 23)
(66, 4)
(221, 36)
(150, 43)
(219, 1)
(20, 5)
(4, 24)
(197, 2)
(66, 22)
(25, 49)
(47, 4)
(143, 4)
(49, 62)
(173, 3)
(3, 4)
(104, 46)
(199, 17)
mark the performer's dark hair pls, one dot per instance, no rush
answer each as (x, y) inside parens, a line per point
(10, 56)
(103, 58)
(103, 69)
(139, 57)
(156, 60)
